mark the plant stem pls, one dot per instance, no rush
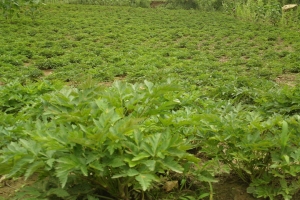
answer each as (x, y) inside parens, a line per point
(211, 193)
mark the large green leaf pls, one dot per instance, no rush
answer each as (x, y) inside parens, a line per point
(141, 156)
(145, 180)
(62, 175)
(67, 165)
(59, 192)
(171, 164)
(284, 136)
(129, 172)
(33, 168)
(152, 143)
(150, 164)
(96, 165)
(19, 165)
(31, 146)
(115, 162)
(149, 86)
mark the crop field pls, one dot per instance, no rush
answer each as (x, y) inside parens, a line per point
(108, 102)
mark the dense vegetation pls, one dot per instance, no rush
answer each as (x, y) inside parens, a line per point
(122, 101)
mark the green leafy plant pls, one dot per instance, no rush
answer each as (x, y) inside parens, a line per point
(231, 111)
(11, 8)
(32, 7)
(112, 141)
(15, 97)
(262, 152)
(273, 12)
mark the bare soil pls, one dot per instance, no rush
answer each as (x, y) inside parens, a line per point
(154, 4)
(47, 72)
(228, 188)
(287, 79)
(231, 188)
(9, 187)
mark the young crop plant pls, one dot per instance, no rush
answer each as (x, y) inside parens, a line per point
(233, 107)
(11, 8)
(284, 101)
(31, 8)
(261, 151)
(113, 143)
(16, 96)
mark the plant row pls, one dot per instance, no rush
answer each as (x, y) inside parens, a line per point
(126, 141)
(136, 43)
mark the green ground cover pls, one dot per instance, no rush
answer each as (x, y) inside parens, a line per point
(221, 96)
(105, 42)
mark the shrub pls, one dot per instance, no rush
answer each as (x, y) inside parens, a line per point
(111, 143)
